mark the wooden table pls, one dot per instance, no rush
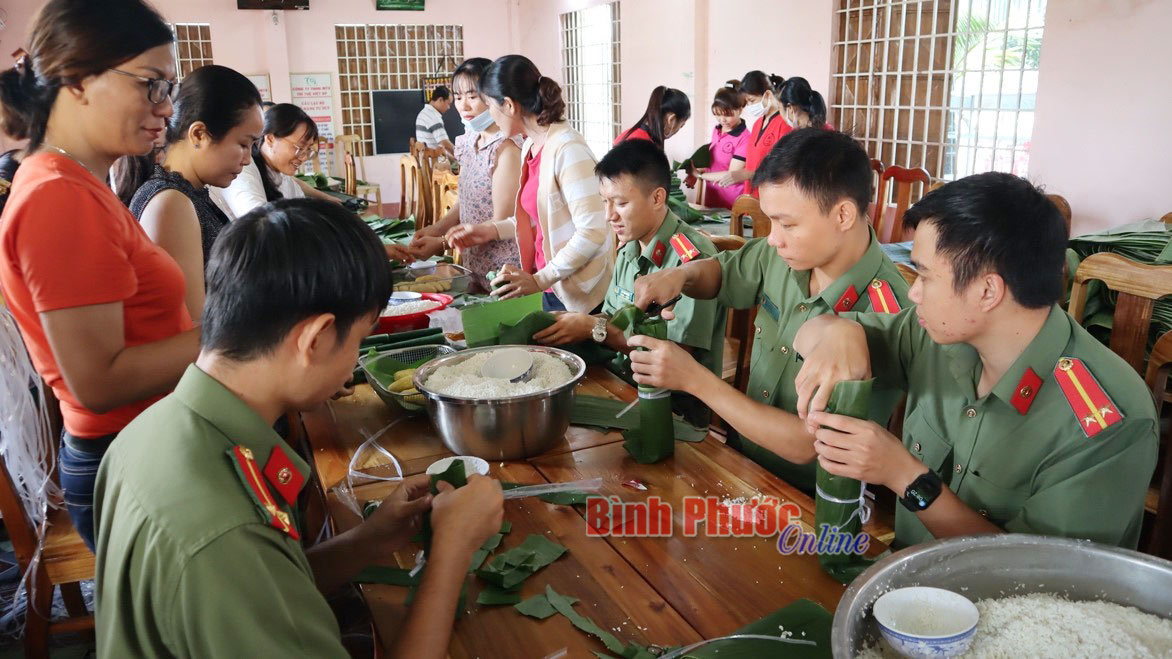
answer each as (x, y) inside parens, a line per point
(662, 590)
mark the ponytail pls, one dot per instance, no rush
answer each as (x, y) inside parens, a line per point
(24, 103)
(516, 77)
(728, 99)
(797, 93)
(756, 83)
(663, 100)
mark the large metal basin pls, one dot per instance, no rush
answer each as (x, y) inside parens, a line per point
(506, 428)
(1008, 564)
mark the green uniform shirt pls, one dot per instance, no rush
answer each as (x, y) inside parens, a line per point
(187, 564)
(1031, 472)
(697, 323)
(755, 275)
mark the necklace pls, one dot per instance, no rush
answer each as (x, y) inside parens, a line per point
(73, 158)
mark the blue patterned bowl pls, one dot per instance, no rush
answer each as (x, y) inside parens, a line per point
(922, 623)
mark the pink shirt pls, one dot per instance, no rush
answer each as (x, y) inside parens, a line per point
(529, 203)
(725, 147)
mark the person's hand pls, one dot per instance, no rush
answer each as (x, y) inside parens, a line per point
(513, 282)
(664, 364)
(569, 327)
(833, 350)
(390, 527)
(471, 235)
(397, 252)
(468, 515)
(423, 247)
(660, 287)
(690, 181)
(863, 450)
(723, 179)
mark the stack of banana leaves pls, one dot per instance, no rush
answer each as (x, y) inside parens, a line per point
(676, 200)
(1149, 241)
(391, 229)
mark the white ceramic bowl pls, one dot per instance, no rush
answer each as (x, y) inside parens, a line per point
(472, 465)
(922, 622)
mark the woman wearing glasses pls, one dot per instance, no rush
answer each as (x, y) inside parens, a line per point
(99, 305)
(209, 141)
(288, 141)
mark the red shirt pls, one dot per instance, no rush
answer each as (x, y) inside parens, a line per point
(68, 242)
(761, 140)
(529, 205)
(636, 134)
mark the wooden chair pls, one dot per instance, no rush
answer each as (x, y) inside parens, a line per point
(443, 181)
(348, 145)
(877, 180)
(908, 273)
(1137, 286)
(427, 160)
(740, 324)
(64, 562)
(903, 179)
(1159, 498)
(1167, 219)
(411, 190)
(750, 206)
(1063, 209)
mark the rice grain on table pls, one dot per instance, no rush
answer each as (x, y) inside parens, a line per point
(464, 379)
(1044, 626)
(415, 306)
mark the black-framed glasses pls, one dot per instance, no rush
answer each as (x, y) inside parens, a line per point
(158, 89)
(310, 151)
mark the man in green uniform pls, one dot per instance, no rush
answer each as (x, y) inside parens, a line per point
(821, 257)
(199, 540)
(633, 181)
(1033, 425)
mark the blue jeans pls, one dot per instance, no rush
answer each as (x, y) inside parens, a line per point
(550, 302)
(78, 469)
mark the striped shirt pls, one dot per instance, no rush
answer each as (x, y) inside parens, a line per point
(429, 127)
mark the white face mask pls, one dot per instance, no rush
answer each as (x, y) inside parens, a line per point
(478, 123)
(755, 110)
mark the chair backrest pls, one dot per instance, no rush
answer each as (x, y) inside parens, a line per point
(748, 205)
(902, 180)
(450, 198)
(1167, 219)
(739, 325)
(1159, 366)
(443, 181)
(877, 201)
(908, 273)
(1137, 286)
(409, 191)
(1063, 209)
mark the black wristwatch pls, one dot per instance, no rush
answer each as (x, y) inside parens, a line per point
(922, 492)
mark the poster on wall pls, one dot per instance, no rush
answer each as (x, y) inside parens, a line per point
(399, 5)
(261, 80)
(314, 93)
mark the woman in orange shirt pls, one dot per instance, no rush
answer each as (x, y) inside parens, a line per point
(99, 305)
(761, 93)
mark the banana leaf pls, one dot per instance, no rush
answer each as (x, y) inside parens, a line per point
(391, 576)
(803, 620)
(558, 498)
(600, 412)
(839, 500)
(482, 321)
(493, 596)
(521, 333)
(539, 607)
(507, 570)
(564, 606)
(654, 438)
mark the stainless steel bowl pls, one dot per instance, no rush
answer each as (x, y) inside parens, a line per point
(503, 428)
(1001, 565)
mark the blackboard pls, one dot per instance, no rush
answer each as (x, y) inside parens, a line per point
(394, 119)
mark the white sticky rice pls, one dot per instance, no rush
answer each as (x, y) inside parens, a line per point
(1042, 625)
(404, 308)
(464, 379)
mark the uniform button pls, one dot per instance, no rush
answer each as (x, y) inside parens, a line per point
(970, 412)
(765, 393)
(916, 447)
(784, 350)
(959, 468)
(984, 513)
(802, 308)
(758, 330)
(1026, 391)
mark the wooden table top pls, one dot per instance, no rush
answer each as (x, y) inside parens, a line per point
(650, 590)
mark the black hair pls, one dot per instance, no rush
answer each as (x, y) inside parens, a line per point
(756, 83)
(728, 99)
(824, 164)
(284, 262)
(471, 69)
(265, 105)
(998, 222)
(281, 120)
(9, 162)
(129, 173)
(797, 92)
(663, 100)
(516, 77)
(439, 92)
(639, 159)
(71, 40)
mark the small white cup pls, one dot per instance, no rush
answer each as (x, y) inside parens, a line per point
(472, 465)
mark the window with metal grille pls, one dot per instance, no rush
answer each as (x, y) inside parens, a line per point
(591, 72)
(192, 47)
(947, 85)
(385, 57)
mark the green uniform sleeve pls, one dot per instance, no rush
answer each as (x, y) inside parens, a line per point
(694, 322)
(742, 273)
(893, 341)
(247, 595)
(1095, 489)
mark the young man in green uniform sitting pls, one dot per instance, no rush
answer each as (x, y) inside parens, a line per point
(199, 540)
(1017, 419)
(821, 257)
(633, 180)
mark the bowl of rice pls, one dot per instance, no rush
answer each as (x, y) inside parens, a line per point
(409, 314)
(497, 419)
(1036, 596)
(921, 622)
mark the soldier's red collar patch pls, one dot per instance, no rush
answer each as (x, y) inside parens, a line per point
(1092, 407)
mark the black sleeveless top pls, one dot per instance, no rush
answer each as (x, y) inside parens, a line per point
(211, 219)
